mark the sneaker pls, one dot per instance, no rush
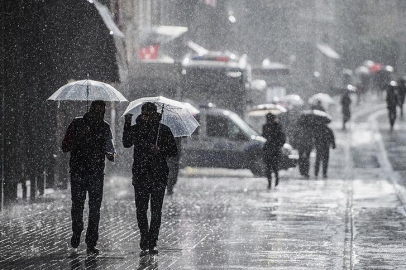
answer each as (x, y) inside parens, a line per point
(75, 240)
(144, 252)
(92, 251)
(325, 176)
(153, 251)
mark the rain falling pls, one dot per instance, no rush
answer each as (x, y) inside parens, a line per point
(202, 134)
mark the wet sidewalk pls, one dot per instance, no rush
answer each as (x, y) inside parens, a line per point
(227, 219)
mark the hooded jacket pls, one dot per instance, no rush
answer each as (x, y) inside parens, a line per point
(149, 167)
(88, 139)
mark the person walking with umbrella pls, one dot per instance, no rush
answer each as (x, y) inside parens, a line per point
(153, 143)
(89, 140)
(302, 140)
(275, 139)
(402, 94)
(323, 140)
(392, 101)
(345, 107)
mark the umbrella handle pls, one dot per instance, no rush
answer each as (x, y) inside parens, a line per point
(159, 125)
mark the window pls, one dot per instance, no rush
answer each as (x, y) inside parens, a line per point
(216, 126)
(219, 126)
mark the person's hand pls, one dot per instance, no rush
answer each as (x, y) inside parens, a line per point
(154, 148)
(334, 146)
(128, 118)
(110, 156)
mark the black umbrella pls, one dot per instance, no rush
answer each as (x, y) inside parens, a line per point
(314, 117)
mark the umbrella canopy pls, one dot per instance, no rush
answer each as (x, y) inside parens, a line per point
(325, 99)
(175, 114)
(264, 109)
(314, 117)
(294, 100)
(87, 90)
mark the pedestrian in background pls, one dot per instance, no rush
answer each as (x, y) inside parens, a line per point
(392, 101)
(346, 107)
(303, 141)
(272, 152)
(173, 164)
(402, 94)
(323, 140)
(153, 143)
(89, 140)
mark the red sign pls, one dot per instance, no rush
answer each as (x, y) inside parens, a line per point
(149, 53)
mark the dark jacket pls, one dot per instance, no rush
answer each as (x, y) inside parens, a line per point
(275, 139)
(88, 140)
(324, 138)
(149, 167)
(302, 138)
(392, 98)
(345, 103)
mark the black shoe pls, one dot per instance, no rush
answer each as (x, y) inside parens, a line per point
(153, 251)
(75, 240)
(144, 252)
(92, 251)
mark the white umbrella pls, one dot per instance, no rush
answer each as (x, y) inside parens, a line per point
(176, 115)
(294, 100)
(325, 99)
(87, 90)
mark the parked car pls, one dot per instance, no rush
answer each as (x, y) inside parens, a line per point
(225, 140)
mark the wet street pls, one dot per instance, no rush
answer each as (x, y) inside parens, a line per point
(227, 219)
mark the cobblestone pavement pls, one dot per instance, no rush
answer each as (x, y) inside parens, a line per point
(227, 219)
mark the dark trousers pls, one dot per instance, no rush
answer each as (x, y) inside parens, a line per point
(392, 116)
(93, 185)
(272, 166)
(304, 161)
(144, 193)
(322, 156)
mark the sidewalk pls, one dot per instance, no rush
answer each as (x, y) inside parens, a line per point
(229, 220)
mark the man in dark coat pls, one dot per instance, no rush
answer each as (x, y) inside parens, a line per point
(153, 143)
(275, 139)
(89, 140)
(323, 140)
(303, 141)
(402, 94)
(392, 101)
(345, 107)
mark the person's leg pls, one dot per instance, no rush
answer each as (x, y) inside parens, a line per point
(269, 173)
(95, 190)
(317, 163)
(157, 198)
(306, 162)
(78, 197)
(275, 168)
(326, 157)
(141, 204)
